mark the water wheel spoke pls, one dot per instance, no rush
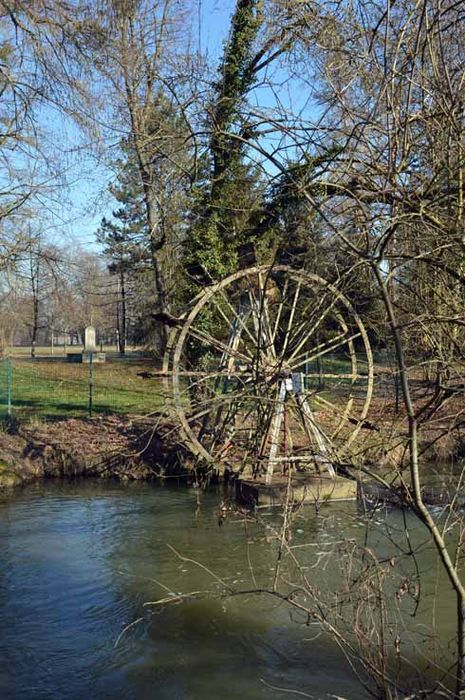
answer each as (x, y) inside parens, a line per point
(318, 442)
(290, 321)
(310, 324)
(239, 416)
(199, 395)
(228, 321)
(239, 319)
(280, 310)
(337, 375)
(199, 377)
(261, 319)
(336, 410)
(209, 404)
(219, 345)
(266, 313)
(328, 347)
(318, 348)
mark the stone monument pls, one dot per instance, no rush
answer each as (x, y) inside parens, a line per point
(89, 339)
(90, 352)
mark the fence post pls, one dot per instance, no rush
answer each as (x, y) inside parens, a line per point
(91, 382)
(9, 385)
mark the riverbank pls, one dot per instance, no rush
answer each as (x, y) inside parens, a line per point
(122, 448)
(136, 448)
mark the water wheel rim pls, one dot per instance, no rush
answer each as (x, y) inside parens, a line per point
(173, 358)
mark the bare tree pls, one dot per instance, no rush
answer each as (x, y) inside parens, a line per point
(391, 78)
(145, 96)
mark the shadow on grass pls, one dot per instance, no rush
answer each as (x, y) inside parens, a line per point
(35, 409)
(28, 410)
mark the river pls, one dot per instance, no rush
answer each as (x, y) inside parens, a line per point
(81, 560)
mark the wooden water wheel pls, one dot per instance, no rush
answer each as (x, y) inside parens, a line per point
(272, 366)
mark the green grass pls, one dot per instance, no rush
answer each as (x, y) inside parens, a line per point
(51, 390)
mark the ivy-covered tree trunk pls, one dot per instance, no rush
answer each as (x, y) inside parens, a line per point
(214, 237)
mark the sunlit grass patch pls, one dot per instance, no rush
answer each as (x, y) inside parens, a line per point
(59, 389)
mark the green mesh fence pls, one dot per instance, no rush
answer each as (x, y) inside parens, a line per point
(332, 370)
(50, 390)
(6, 388)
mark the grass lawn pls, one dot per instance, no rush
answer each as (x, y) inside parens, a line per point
(58, 389)
(52, 388)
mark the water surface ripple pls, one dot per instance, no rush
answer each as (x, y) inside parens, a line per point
(80, 559)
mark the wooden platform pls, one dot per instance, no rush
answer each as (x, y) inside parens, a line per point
(303, 488)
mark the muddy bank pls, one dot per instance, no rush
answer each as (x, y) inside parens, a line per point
(107, 447)
(133, 448)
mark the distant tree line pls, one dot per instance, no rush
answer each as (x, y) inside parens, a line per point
(51, 294)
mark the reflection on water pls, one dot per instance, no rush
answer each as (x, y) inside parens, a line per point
(79, 560)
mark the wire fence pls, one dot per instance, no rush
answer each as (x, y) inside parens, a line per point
(53, 388)
(6, 383)
(50, 390)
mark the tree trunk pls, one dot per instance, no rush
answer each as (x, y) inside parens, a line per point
(420, 509)
(35, 315)
(122, 333)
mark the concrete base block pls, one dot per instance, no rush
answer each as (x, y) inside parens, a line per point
(97, 357)
(303, 489)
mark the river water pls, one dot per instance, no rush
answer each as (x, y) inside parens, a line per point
(81, 560)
